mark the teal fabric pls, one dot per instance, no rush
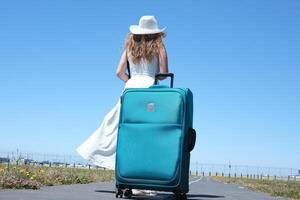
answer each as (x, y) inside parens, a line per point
(136, 107)
(149, 151)
(152, 150)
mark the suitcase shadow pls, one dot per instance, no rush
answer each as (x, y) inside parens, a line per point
(201, 196)
(106, 191)
(168, 196)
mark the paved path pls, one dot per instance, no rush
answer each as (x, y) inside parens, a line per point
(201, 188)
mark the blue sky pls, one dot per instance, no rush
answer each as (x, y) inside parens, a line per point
(240, 59)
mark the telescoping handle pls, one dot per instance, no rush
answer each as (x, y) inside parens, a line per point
(128, 69)
(164, 75)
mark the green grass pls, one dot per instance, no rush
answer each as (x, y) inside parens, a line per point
(33, 177)
(287, 189)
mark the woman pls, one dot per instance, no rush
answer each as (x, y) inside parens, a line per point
(146, 54)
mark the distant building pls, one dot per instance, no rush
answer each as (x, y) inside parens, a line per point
(28, 161)
(4, 160)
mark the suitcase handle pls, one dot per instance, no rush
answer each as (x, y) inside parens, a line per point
(128, 69)
(192, 139)
(164, 75)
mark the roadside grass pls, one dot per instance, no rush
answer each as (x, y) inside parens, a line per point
(281, 188)
(33, 177)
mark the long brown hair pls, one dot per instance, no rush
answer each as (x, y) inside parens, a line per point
(144, 46)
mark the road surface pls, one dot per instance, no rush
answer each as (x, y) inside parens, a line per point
(201, 188)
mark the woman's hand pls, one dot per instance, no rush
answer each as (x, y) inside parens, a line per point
(121, 70)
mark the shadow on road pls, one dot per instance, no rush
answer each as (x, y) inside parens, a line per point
(105, 191)
(204, 195)
(168, 195)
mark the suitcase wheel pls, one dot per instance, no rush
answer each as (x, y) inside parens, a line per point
(128, 193)
(180, 196)
(119, 192)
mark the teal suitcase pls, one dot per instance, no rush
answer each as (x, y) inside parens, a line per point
(155, 138)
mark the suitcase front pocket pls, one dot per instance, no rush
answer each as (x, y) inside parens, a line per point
(153, 107)
(149, 151)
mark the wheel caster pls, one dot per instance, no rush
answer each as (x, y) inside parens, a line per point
(127, 193)
(119, 192)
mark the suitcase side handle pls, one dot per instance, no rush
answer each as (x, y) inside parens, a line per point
(192, 139)
(164, 75)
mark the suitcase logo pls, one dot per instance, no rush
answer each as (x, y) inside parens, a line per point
(150, 107)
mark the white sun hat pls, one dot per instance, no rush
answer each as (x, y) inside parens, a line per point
(147, 25)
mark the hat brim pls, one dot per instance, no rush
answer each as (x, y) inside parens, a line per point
(135, 29)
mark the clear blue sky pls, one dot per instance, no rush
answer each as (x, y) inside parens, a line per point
(241, 59)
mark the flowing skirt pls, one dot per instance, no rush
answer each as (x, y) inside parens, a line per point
(100, 147)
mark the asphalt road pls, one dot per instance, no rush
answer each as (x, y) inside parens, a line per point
(201, 188)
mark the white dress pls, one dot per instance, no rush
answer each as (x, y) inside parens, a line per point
(100, 147)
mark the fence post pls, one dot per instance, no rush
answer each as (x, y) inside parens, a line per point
(8, 162)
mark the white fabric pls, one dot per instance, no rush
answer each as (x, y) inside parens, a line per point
(144, 67)
(100, 147)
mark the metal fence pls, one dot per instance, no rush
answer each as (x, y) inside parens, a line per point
(43, 159)
(245, 171)
(196, 168)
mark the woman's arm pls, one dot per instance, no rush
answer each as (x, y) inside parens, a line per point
(163, 62)
(122, 67)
